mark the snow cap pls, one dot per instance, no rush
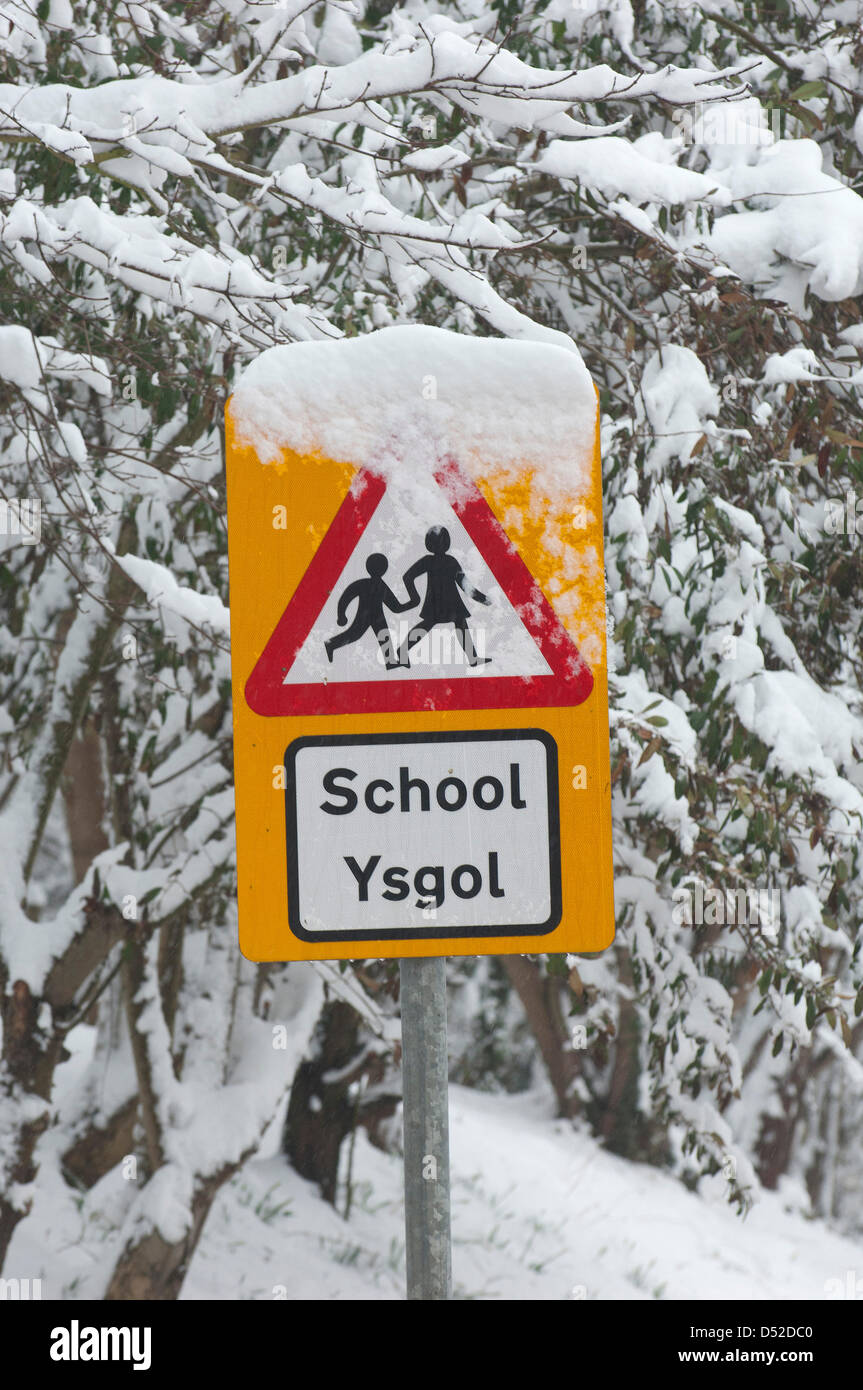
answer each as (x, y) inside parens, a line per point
(402, 399)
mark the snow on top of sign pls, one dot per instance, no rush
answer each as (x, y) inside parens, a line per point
(402, 399)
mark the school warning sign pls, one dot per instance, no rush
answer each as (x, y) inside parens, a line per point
(418, 658)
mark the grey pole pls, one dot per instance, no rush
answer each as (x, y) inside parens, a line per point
(426, 1127)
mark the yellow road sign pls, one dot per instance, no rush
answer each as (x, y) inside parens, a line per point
(420, 705)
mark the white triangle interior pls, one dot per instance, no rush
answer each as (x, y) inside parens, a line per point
(397, 530)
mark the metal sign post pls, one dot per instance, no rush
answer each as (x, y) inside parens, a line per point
(426, 1128)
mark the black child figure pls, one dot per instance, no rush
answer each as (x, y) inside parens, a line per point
(372, 595)
(443, 602)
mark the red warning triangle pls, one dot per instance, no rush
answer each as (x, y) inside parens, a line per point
(560, 676)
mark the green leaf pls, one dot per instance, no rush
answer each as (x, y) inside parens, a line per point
(807, 90)
(807, 119)
(777, 1045)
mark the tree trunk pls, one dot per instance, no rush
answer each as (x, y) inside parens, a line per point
(540, 996)
(621, 1126)
(84, 801)
(101, 1148)
(775, 1140)
(22, 1057)
(321, 1111)
(150, 1269)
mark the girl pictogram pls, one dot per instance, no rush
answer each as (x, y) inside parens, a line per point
(443, 603)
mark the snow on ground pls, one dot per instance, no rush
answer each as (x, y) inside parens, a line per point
(539, 1212)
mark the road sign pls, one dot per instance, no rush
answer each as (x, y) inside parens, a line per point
(420, 707)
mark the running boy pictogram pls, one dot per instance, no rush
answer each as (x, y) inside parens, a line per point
(372, 595)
